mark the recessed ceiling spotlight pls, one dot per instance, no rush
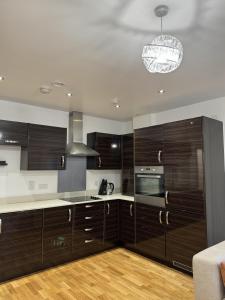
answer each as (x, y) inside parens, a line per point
(2, 78)
(69, 94)
(45, 90)
(117, 106)
(58, 83)
(162, 91)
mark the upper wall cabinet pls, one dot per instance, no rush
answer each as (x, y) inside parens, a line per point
(109, 148)
(46, 148)
(13, 133)
(149, 146)
(128, 164)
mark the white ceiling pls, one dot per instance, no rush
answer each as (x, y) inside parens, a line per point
(95, 48)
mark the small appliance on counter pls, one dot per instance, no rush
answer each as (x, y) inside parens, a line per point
(110, 188)
(103, 187)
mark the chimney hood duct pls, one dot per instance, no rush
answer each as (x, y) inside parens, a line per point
(76, 147)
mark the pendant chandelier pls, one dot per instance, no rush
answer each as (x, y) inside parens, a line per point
(165, 52)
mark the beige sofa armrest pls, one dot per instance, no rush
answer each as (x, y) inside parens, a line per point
(207, 278)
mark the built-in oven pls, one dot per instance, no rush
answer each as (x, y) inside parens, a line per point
(149, 185)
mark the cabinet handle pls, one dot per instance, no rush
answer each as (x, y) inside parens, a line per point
(11, 142)
(160, 216)
(88, 241)
(88, 229)
(88, 206)
(88, 218)
(70, 215)
(167, 218)
(159, 156)
(0, 226)
(166, 197)
(63, 161)
(108, 208)
(99, 162)
(131, 210)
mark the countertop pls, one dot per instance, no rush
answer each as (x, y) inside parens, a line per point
(41, 204)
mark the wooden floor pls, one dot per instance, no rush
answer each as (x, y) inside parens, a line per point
(117, 274)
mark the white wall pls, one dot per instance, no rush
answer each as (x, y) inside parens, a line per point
(14, 182)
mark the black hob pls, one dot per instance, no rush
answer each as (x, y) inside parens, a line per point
(80, 199)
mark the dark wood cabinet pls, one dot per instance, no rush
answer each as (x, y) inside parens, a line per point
(127, 225)
(109, 148)
(57, 235)
(150, 230)
(46, 148)
(20, 243)
(185, 236)
(128, 164)
(88, 229)
(111, 224)
(149, 146)
(13, 133)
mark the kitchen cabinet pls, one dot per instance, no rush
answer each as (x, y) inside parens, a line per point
(128, 164)
(46, 148)
(127, 228)
(13, 133)
(150, 230)
(20, 243)
(109, 148)
(149, 146)
(111, 224)
(88, 229)
(57, 235)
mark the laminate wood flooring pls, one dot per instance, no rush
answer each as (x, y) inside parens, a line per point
(117, 274)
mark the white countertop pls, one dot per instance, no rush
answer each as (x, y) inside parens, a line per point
(41, 204)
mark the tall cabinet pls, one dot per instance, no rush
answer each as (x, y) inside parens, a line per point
(127, 153)
(193, 215)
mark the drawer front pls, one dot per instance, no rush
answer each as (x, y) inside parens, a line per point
(58, 216)
(82, 210)
(21, 221)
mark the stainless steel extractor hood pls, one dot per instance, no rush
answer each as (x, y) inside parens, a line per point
(76, 147)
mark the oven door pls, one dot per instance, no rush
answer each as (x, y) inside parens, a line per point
(149, 189)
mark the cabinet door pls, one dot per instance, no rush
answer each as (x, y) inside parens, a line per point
(127, 164)
(13, 133)
(183, 157)
(109, 148)
(150, 230)
(127, 229)
(185, 236)
(149, 146)
(20, 243)
(111, 226)
(88, 229)
(57, 235)
(47, 147)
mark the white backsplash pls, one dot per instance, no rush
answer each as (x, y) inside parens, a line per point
(94, 178)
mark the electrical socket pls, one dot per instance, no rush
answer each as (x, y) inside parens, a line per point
(43, 186)
(31, 185)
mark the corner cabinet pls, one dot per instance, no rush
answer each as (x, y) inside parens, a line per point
(127, 224)
(109, 148)
(46, 148)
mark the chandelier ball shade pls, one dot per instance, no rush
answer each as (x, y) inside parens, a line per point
(163, 55)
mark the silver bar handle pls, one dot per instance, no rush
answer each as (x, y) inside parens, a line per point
(99, 162)
(0, 226)
(88, 218)
(88, 229)
(88, 241)
(63, 161)
(160, 216)
(108, 208)
(70, 215)
(166, 197)
(167, 218)
(159, 156)
(88, 206)
(131, 210)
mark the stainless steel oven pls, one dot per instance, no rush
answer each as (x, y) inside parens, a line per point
(149, 185)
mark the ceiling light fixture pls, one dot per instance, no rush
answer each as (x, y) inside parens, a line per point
(58, 83)
(2, 78)
(117, 105)
(161, 91)
(165, 52)
(69, 94)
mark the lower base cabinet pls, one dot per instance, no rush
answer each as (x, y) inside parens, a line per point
(126, 224)
(111, 224)
(57, 235)
(20, 243)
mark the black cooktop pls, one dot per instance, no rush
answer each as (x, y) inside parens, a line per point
(80, 199)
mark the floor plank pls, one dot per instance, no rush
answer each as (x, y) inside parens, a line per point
(114, 275)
